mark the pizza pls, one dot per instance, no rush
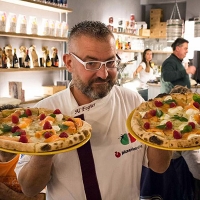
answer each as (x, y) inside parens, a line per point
(38, 130)
(169, 121)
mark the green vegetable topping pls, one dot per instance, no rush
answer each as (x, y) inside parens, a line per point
(169, 101)
(6, 128)
(159, 113)
(182, 119)
(23, 115)
(63, 127)
(161, 126)
(196, 98)
(186, 129)
(53, 115)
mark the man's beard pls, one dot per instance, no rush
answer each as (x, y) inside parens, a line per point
(94, 92)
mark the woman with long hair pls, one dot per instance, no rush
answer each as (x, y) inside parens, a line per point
(145, 70)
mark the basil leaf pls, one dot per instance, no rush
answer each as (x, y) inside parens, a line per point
(161, 126)
(169, 101)
(63, 126)
(6, 128)
(196, 98)
(53, 115)
(16, 133)
(23, 115)
(159, 113)
(182, 119)
(186, 129)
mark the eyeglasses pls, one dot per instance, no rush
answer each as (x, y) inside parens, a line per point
(96, 65)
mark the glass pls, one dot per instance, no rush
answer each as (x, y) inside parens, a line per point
(96, 65)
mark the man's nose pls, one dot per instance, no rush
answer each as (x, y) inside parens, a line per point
(102, 72)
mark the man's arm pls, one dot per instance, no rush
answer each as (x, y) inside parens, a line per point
(159, 160)
(7, 193)
(35, 175)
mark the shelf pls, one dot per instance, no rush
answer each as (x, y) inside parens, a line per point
(140, 37)
(32, 69)
(141, 51)
(132, 35)
(39, 5)
(30, 36)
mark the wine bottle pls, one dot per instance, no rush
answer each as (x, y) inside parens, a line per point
(27, 60)
(56, 59)
(15, 60)
(48, 60)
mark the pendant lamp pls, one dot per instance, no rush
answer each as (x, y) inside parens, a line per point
(175, 27)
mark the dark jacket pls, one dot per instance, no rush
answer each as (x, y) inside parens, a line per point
(173, 73)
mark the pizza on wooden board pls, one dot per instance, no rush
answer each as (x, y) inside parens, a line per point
(169, 121)
(38, 130)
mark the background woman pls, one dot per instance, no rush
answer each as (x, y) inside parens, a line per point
(145, 70)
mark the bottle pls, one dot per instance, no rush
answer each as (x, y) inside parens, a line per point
(15, 60)
(48, 60)
(4, 59)
(56, 59)
(27, 60)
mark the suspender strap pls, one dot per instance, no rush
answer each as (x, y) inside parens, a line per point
(88, 171)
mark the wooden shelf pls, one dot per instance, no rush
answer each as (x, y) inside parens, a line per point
(30, 36)
(140, 37)
(132, 35)
(39, 5)
(32, 69)
(141, 51)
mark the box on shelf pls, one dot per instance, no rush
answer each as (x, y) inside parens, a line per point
(144, 32)
(157, 33)
(52, 89)
(163, 25)
(154, 25)
(156, 11)
(155, 19)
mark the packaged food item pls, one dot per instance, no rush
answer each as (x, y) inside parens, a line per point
(45, 27)
(52, 28)
(64, 29)
(32, 25)
(58, 29)
(33, 56)
(11, 23)
(2, 21)
(9, 55)
(21, 24)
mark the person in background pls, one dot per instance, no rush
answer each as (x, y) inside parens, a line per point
(9, 186)
(180, 181)
(109, 165)
(145, 69)
(172, 71)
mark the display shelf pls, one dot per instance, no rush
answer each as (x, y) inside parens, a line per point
(129, 34)
(141, 51)
(32, 69)
(39, 5)
(140, 37)
(31, 36)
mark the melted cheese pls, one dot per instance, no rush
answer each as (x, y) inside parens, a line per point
(175, 110)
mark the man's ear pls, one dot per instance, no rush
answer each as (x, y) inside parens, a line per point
(67, 61)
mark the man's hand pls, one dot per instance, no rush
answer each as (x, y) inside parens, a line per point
(191, 70)
(159, 160)
(7, 193)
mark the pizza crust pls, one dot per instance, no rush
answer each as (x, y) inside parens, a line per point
(163, 138)
(10, 142)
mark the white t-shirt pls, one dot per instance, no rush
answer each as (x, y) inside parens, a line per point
(145, 76)
(118, 166)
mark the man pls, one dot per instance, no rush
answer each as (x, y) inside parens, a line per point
(172, 71)
(103, 168)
